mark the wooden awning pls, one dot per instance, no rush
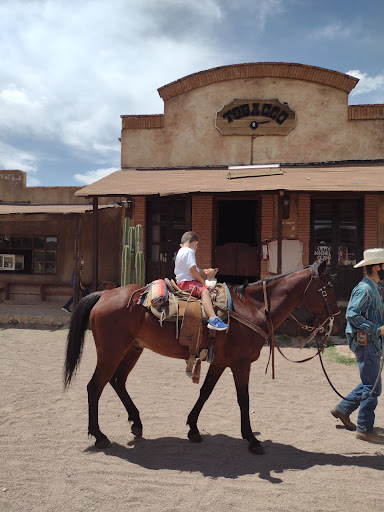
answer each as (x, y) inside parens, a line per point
(12, 209)
(343, 178)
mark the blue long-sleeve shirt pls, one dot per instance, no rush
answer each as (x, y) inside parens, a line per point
(365, 312)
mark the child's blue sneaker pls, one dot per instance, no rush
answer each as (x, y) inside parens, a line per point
(216, 324)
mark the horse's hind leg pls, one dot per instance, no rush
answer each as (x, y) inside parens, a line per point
(213, 375)
(118, 383)
(241, 378)
(95, 388)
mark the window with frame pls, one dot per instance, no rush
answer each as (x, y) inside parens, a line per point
(33, 254)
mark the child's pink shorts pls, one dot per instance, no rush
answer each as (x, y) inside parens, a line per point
(194, 286)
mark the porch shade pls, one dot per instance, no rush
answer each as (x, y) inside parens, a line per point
(136, 182)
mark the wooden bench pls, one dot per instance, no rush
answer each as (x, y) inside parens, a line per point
(44, 288)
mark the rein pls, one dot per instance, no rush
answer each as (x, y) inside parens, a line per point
(314, 330)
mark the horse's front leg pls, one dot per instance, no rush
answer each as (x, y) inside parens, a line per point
(241, 378)
(213, 375)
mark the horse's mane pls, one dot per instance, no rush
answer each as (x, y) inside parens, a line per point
(239, 289)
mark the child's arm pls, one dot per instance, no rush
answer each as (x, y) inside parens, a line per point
(197, 275)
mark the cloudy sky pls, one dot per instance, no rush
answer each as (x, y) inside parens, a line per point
(70, 68)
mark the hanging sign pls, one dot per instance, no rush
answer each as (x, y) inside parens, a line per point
(255, 117)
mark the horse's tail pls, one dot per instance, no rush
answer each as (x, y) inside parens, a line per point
(75, 338)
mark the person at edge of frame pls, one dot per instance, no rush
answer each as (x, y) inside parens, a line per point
(364, 331)
(83, 289)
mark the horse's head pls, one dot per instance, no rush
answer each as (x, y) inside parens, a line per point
(319, 296)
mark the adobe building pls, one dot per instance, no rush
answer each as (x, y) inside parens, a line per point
(266, 162)
(45, 232)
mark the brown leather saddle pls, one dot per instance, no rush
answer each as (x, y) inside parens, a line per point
(185, 310)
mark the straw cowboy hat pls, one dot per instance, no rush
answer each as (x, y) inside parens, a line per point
(371, 257)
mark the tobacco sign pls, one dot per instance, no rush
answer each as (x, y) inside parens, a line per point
(255, 117)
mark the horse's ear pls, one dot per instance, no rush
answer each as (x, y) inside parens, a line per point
(322, 267)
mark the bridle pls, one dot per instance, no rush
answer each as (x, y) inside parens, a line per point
(313, 330)
(330, 318)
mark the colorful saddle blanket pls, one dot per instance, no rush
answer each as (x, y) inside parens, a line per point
(166, 305)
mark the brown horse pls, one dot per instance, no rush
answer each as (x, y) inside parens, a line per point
(121, 333)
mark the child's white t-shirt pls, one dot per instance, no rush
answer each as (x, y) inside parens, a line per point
(185, 260)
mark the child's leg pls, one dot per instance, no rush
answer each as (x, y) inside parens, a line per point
(207, 304)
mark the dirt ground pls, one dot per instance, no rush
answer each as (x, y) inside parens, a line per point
(49, 464)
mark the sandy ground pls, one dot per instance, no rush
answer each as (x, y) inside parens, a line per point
(49, 464)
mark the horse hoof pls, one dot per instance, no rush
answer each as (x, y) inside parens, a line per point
(103, 444)
(137, 431)
(256, 449)
(195, 438)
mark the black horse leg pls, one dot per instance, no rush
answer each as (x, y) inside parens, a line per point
(241, 378)
(118, 383)
(95, 388)
(213, 375)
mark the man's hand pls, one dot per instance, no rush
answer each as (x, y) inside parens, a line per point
(382, 330)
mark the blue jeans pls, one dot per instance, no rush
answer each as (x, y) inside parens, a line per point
(369, 367)
(84, 292)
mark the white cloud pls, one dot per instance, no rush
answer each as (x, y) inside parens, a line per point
(368, 84)
(332, 31)
(92, 176)
(15, 158)
(70, 69)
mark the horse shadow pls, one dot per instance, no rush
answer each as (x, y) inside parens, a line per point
(221, 456)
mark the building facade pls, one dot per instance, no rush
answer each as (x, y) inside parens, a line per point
(267, 162)
(43, 232)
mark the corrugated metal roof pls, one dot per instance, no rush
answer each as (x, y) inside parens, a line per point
(8, 209)
(347, 178)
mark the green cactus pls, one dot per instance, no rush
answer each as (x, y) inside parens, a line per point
(139, 238)
(139, 268)
(126, 267)
(132, 260)
(126, 226)
(131, 237)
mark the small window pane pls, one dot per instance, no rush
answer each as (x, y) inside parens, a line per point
(38, 268)
(38, 256)
(4, 242)
(38, 242)
(51, 242)
(16, 243)
(50, 268)
(50, 256)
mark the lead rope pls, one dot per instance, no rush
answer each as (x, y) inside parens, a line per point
(273, 343)
(348, 399)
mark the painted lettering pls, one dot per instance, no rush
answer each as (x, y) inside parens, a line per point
(266, 109)
(228, 115)
(275, 110)
(255, 109)
(245, 112)
(283, 116)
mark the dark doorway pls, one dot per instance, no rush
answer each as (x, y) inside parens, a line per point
(337, 236)
(237, 240)
(167, 220)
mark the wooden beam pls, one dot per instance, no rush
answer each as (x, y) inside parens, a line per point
(95, 261)
(77, 276)
(279, 230)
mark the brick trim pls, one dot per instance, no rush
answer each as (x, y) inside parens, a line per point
(145, 122)
(139, 215)
(259, 70)
(304, 224)
(366, 111)
(202, 214)
(371, 212)
(266, 228)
